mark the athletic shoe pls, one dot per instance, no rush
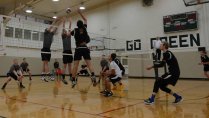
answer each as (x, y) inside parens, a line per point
(73, 83)
(93, 79)
(108, 94)
(178, 100)
(149, 101)
(43, 79)
(51, 78)
(21, 86)
(64, 81)
(103, 92)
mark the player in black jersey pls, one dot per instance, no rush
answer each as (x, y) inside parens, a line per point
(67, 51)
(205, 62)
(24, 67)
(81, 39)
(14, 73)
(46, 50)
(169, 78)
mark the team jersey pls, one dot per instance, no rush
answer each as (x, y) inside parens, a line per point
(114, 66)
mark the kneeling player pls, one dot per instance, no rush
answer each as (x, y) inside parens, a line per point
(15, 73)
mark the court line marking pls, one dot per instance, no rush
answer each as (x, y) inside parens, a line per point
(100, 114)
(19, 100)
(143, 101)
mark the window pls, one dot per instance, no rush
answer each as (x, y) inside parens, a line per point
(41, 36)
(35, 35)
(9, 31)
(18, 33)
(27, 34)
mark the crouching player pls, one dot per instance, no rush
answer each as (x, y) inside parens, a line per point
(15, 73)
(114, 75)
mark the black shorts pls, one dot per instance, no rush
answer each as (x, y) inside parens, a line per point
(44, 56)
(115, 80)
(25, 70)
(206, 68)
(12, 75)
(169, 79)
(82, 52)
(67, 58)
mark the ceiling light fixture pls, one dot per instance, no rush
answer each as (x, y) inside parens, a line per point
(55, 0)
(28, 9)
(54, 17)
(82, 6)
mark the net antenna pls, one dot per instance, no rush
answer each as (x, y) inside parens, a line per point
(194, 2)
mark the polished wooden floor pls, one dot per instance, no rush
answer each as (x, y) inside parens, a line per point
(56, 100)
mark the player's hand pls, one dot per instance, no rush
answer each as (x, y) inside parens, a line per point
(200, 63)
(79, 11)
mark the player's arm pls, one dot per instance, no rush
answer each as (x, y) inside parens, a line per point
(158, 64)
(82, 16)
(15, 73)
(20, 73)
(70, 24)
(56, 23)
(63, 25)
(110, 72)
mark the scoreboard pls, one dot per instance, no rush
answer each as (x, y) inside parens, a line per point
(180, 22)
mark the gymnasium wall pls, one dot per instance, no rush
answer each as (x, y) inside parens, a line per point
(127, 20)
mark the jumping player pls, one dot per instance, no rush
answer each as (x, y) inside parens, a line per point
(14, 73)
(81, 39)
(169, 78)
(67, 51)
(45, 51)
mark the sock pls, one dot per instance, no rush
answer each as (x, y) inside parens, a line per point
(176, 95)
(152, 97)
(92, 74)
(63, 76)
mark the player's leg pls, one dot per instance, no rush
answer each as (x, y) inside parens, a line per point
(206, 74)
(164, 88)
(87, 58)
(108, 92)
(7, 81)
(156, 88)
(30, 77)
(74, 71)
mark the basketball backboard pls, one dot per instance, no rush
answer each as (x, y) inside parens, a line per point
(195, 2)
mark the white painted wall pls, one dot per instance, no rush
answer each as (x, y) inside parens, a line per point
(129, 20)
